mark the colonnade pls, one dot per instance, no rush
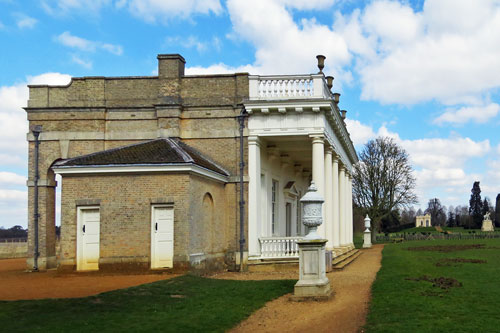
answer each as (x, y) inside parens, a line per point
(334, 183)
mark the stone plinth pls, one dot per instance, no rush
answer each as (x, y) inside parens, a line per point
(367, 241)
(487, 226)
(313, 283)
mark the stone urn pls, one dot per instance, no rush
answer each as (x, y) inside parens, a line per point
(312, 218)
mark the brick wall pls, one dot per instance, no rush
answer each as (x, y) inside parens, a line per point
(96, 113)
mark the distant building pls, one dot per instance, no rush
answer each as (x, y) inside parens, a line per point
(423, 221)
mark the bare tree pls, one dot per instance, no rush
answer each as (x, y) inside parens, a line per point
(436, 211)
(383, 179)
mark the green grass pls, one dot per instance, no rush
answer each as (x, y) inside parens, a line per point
(184, 304)
(401, 305)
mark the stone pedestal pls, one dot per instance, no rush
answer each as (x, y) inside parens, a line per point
(487, 225)
(367, 241)
(313, 283)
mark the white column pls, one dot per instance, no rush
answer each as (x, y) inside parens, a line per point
(349, 210)
(336, 203)
(318, 172)
(328, 198)
(253, 196)
(343, 226)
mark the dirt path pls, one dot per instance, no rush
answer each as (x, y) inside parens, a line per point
(344, 313)
(16, 283)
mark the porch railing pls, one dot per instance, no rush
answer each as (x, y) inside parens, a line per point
(279, 247)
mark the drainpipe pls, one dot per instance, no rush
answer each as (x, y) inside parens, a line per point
(241, 119)
(36, 133)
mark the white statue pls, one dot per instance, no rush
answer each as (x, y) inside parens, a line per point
(487, 216)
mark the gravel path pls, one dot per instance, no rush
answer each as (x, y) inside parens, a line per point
(344, 313)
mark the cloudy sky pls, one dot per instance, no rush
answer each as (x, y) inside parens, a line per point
(424, 72)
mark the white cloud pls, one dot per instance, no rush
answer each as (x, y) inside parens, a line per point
(77, 60)
(65, 7)
(360, 134)
(477, 114)
(282, 45)
(191, 42)
(164, 10)
(448, 52)
(11, 178)
(82, 44)
(24, 21)
(12, 195)
(67, 39)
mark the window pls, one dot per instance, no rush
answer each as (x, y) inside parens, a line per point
(274, 205)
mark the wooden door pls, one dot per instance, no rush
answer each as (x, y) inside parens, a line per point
(88, 239)
(162, 237)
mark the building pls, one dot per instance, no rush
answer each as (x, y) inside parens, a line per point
(150, 168)
(423, 221)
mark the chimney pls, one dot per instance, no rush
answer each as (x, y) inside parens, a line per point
(170, 66)
(343, 112)
(321, 63)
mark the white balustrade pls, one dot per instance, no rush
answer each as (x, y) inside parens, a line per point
(279, 247)
(288, 87)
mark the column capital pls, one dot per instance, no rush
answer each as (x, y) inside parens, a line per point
(329, 151)
(254, 140)
(342, 168)
(317, 138)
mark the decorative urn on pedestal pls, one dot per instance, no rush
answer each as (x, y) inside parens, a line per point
(367, 240)
(313, 283)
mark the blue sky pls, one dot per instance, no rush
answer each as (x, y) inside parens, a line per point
(424, 72)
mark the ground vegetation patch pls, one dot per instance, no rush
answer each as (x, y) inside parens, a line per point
(447, 248)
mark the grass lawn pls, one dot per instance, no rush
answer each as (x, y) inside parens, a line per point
(184, 304)
(431, 290)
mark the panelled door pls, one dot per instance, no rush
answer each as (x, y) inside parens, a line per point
(88, 224)
(162, 237)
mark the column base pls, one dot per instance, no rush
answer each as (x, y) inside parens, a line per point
(43, 263)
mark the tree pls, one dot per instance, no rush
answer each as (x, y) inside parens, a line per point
(436, 211)
(451, 221)
(497, 211)
(487, 207)
(383, 180)
(476, 207)
(408, 216)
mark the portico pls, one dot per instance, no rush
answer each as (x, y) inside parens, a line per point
(296, 133)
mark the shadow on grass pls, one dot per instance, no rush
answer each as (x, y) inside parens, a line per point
(183, 304)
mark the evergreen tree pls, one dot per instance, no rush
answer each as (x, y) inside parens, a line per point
(451, 222)
(497, 211)
(475, 207)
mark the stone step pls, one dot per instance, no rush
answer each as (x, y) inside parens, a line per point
(342, 261)
(279, 265)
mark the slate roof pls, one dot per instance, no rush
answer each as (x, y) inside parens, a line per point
(165, 151)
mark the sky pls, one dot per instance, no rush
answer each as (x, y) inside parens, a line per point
(426, 73)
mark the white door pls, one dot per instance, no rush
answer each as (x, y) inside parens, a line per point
(88, 224)
(162, 237)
